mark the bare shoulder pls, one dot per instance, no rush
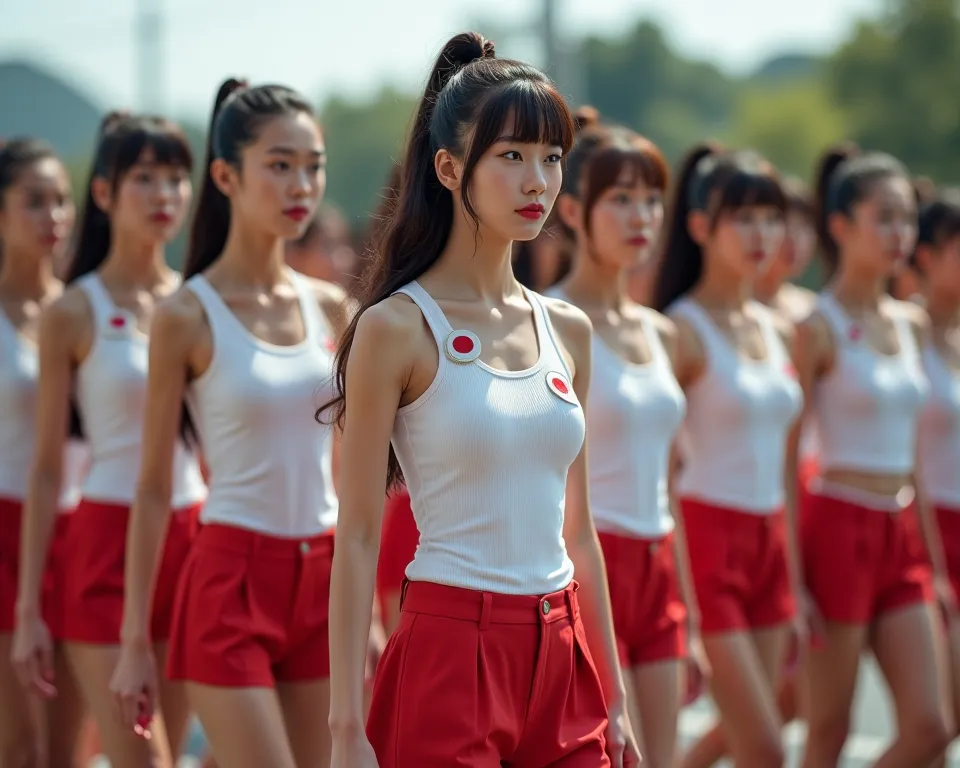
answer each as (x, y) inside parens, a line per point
(570, 321)
(335, 302)
(69, 317)
(914, 313)
(783, 326)
(180, 315)
(667, 330)
(392, 324)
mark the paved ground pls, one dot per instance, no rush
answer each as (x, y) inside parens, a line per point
(873, 727)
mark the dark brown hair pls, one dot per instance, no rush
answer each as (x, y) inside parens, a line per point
(239, 114)
(846, 176)
(715, 182)
(600, 156)
(940, 219)
(15, 156)
(470, 98)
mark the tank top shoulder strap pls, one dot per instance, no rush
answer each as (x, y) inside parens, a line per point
(906, 335)
(218, 314)
(101, 304)
(693, 313)
(551, 348)
(314, 320)
(436, 320)
(657, 350)
(776, 348)
(835, 315)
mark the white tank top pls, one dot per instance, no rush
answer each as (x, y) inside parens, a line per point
(485, 455)
(739, 413)
(939, 432)
(111, 392)
(867, 406)
(270, 461)
(633, 414)
(19, 368)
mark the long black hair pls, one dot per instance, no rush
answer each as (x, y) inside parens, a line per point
(16, 155)
(239, 114)
(121, 143)
(715, 182)
(845, 176)
(468, 100)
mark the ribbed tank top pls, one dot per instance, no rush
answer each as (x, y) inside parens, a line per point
(739, 413)
(939, 436)
(270, 462)
(634, 411)
(485, 455)
(867, 407)
(111, 390)
(19, 370)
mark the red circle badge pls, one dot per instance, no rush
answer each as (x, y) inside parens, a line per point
(560, 385)
(462, 347)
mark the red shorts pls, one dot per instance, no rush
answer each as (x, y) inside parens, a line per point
(52, 586)
(648, 612)
(251, 610)
(476, 679)
(860, 563)
(398, 542)
(93, 611)
(739, 566)
(949, 521)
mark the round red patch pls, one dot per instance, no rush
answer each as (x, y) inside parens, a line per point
(462, 344)
(118, 321)
(856, 332)
(790, 371)
(560, 384)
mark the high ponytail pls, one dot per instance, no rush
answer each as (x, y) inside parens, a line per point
(827, 166)
(122, 140)
(681, 259)
(239, 113)
(469, 97)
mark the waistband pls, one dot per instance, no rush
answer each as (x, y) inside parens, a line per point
(93, 506)
(243, 541)
(729, 515)
(866, 499)
(629, 543)
(486, 608)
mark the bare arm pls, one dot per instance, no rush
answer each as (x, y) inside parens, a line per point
(64, 328)
(377, 372)
(176, 326)
(579, 532)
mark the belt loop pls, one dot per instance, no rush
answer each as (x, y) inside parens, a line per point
(403, 591)
(486, 610)
(572, 602)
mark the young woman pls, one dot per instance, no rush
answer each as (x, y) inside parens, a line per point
(93, 360)
(247, 343)
(477, 384)
(858, 357)
(938, 262)
(726, 220)
(611, 206)
(36, 216)
(324, 252)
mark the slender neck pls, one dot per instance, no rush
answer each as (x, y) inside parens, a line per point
(944, 311)
(30, 278)
(858, 289)
(592, 283)
(479, 259)
(252, 257)
(134, 262)
(721, 289)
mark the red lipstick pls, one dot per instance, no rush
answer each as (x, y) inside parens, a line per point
(533, 211)
(297, 213)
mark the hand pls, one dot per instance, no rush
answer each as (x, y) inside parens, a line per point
(376, 642)
(621, 743)
(31, 654)
(698, 668)
(352, 751)
(809, 628)
(134, 687)
(946, 596)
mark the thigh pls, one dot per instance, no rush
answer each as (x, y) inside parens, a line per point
(306, 708)
(65, 715)
(92, 667)
(742, 691)
(173, 704)
(21, 723)
(830, 673)
(910, 650)
(244, 726)
(771, 644)
(656, 693)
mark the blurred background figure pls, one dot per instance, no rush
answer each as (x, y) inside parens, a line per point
(325, 251)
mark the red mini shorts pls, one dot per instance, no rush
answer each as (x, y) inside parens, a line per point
(648, 612)
(861, 562)
(739, 566)
(252, 610)
(476, 679)
(52, 587)
(949, 521)
(95, 560)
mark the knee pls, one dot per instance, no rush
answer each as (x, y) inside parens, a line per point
(826, 737)
(763, 751)
(926, 734)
